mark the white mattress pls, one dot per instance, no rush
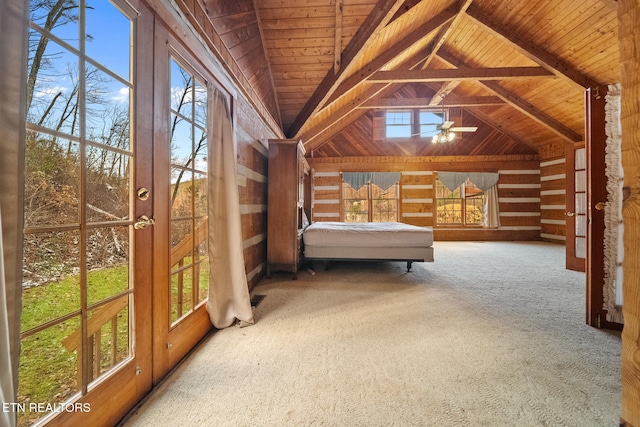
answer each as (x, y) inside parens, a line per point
(367, 234)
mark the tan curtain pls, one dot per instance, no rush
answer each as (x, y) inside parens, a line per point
(228, 289)
(13, 74)
(491, 208)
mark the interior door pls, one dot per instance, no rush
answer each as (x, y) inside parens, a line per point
(576, 207)
(85, 326)
(181, 273)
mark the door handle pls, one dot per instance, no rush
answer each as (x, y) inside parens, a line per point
(600, 206)
(143, 222)
(570, 213)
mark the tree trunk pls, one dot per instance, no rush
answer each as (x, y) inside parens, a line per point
(629, 41)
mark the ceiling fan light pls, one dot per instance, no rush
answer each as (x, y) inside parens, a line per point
(450, 136)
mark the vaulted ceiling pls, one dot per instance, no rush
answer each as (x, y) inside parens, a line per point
(517, 69)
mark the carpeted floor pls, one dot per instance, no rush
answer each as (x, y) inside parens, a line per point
(490, 334)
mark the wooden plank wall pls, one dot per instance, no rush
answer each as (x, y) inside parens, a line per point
(552, 206)
(252, 187)
(519, 188)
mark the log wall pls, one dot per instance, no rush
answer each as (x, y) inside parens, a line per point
(519, 191)
(252, 185)
(552, 200)
(629, 37)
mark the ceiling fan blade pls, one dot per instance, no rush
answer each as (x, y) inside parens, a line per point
(464, 129)
(445, 125)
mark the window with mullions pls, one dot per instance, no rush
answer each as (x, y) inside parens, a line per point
(370, 203)
(463, 206)
(398, 124)
(429, 122)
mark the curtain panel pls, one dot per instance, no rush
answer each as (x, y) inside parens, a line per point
(482, 180)
(383, 180)
(14, 16)
(228, 288)
(613, 227)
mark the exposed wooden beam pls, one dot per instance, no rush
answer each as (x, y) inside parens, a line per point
(337, 49)
(379, 17)
(266, 58)
(442, 36)
(525, 107)
(520, 104)
(329, 127)
(531, 50)
(452, 101)
(393, 52)
(433, 75)
(443, 91)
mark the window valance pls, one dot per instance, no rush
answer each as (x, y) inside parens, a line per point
(383, 180)
(482, 180)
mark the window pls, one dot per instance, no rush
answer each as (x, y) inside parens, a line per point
(463, 206)
(370, 203)
(429, 122)
(398, 124)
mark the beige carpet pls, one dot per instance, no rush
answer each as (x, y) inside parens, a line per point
(490, 334)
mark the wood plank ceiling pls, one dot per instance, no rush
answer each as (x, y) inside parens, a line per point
(517, 69)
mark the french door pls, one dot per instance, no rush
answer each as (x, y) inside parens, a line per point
(576, 207)
(181, 274)
(87, 269)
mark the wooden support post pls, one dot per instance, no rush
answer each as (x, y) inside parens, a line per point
(629, 42)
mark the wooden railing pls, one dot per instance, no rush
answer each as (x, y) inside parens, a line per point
(106, 313)
(179, 252)
(109, 311)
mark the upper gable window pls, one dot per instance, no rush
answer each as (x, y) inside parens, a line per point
(398, 124)
(429, 122)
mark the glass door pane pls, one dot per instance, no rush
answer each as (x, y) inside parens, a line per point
(78, 280)
(188, 192)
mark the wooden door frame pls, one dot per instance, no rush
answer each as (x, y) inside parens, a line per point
(170, 342)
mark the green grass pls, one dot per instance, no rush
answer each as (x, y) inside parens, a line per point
(47, 372)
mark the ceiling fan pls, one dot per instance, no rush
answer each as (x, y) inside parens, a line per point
(446, 131)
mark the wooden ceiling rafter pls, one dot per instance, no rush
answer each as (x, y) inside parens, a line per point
(445, 31)
(520, 104)
(375, 22)
(321, 133)
(337, 50)
(443, 91)
(266, 57)
(452, 101)
(392, 53)
(531, 50)
(439, 75)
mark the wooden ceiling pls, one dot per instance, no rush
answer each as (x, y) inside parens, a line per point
(518, 69)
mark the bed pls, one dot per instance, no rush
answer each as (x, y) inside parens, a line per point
(379, 241)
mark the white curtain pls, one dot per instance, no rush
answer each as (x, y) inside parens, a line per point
(491, 210)
(228, 289)
(613, 228)
(13, 73)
